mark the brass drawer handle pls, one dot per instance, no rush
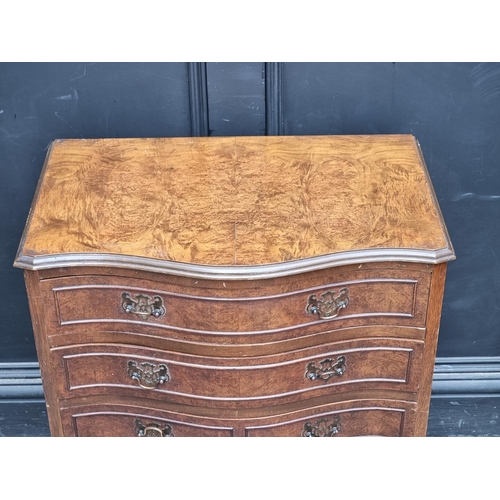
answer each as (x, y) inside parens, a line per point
(143, 305)
(148, 375)
(328, 306)
(153, 429)
(322, 428)
(327, 369)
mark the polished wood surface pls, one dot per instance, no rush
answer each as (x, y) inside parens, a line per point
(276, 325)
(93, 369)
(359, 422)
(399, 297)
(239, 201)
(38, 312)
(363, 417)
(431, 339)
(236, 350)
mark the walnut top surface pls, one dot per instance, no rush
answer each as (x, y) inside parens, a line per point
(233, 201)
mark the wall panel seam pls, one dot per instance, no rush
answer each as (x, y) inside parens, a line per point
(198, 98)
(274, 98)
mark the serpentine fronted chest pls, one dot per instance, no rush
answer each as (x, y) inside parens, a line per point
(236, 286)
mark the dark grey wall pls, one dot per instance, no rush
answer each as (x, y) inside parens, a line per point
(42, 102)
(453, 110)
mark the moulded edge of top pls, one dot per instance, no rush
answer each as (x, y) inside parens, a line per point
(261, 271)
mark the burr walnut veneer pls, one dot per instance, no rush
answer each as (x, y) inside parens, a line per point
(250, 286)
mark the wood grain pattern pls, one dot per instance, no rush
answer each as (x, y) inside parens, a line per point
(234, 236)
(234, 201)
(225, 314)
(387, 422)
(109, 424)
(94, 369)
(391, 301)
(431, 339)
(366, 416)
(41, 341)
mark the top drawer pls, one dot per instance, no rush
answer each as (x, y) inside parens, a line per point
(330, 300)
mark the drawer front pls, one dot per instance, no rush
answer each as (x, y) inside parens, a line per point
(393, 298)
(109, 424)
(365, 417)
(392, 364)
(389, 422)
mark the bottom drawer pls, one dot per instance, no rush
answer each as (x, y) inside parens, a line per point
(348, 418)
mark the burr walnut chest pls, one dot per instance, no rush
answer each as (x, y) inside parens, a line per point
(236, 286)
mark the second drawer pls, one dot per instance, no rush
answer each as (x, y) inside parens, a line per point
(95, 369)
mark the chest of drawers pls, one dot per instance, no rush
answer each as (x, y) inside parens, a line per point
(251, 286)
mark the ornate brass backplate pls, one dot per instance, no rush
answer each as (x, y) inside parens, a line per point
(153, 429)
(322, 428)
(328, 306)
(147, 374)
(326, 369)
(143, 305)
